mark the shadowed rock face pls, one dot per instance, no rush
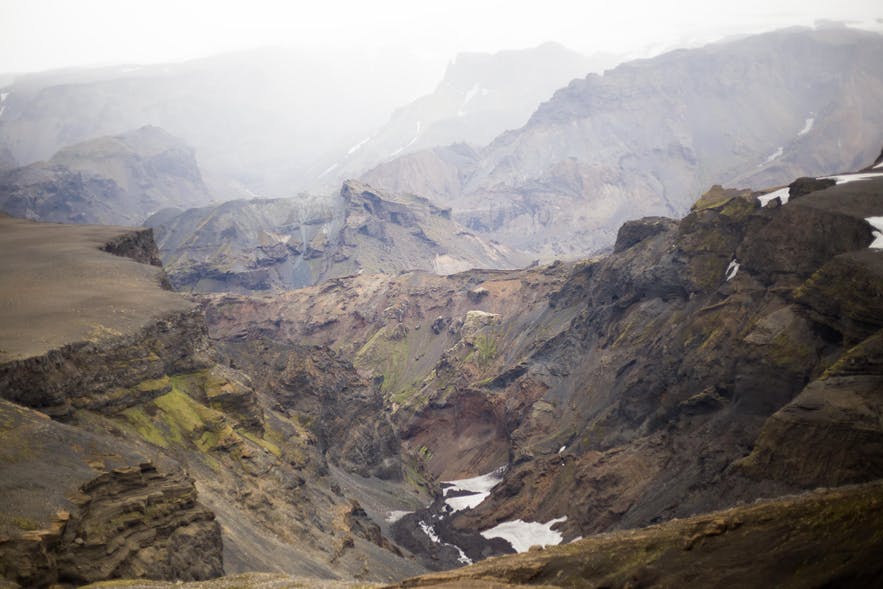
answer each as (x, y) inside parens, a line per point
(729, 356)
(648, 136)
(117, 180)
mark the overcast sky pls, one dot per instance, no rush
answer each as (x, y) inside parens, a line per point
(44, 34)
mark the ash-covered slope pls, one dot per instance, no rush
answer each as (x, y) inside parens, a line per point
(645, 137)
(480, 96)
(117, 180)
(278, 244)
(729, 356)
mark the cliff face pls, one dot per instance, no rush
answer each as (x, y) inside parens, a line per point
(127, 367)
(729, 356)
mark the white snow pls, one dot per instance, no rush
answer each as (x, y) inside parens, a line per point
(330, 169)
(430, 531)
(844, 178)
(807, 126)
(776, 154)
(562, 449)
(410, 143)
(880, 165)
(877, 224)
(358, 146)
(732, 270)
(472, 93)
(782, 194)
(395, 515)
(522, 535)
(479, 486)
(3, 96)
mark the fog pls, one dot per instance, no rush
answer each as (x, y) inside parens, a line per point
(273, 95)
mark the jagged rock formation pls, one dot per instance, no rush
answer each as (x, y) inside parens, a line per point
(480, 96)
(729, 356)
(646, 137)
(255, 245)
(117, 180)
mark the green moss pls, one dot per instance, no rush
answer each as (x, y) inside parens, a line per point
(145, 426)
(263, 443)
(485, 350)
(158, 384)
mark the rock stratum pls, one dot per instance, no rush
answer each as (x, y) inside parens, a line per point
(128, 451)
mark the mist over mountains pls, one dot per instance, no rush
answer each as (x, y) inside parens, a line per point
(269, 317)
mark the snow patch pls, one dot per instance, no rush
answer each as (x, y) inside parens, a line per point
(844, 178)
(775, 155)
(782, 194)
(330, 169)
(807, 126)
(479, 487)
(732, 270)
(472, 93)
(562, 449)
(522, 535)
(880, 165)
(395, 515)
(877, 224)
(358, 146)
(430, 531)
(410, 143)
(3, 97)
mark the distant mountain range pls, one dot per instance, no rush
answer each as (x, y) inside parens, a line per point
(650, 135)
(480, 96)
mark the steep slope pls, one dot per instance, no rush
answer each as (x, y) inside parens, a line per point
(648, 136)
(730, 356)
(480, 96)
(111, 180)
(255, 245)
(143, 418)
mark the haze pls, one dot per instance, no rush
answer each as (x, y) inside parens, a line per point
(42, 34)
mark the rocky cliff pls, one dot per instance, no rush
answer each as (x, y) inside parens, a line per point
(117, 180)
(647, 136)
(275, 244)
(729, 356)
(145, 418)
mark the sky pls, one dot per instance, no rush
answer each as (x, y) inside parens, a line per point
(44, 34)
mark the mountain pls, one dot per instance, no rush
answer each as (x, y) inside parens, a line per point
(258, 119)
(273, 244)
(647, 137)
(731, 356)
(376, 426)
(480, 96)
(114, 180)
